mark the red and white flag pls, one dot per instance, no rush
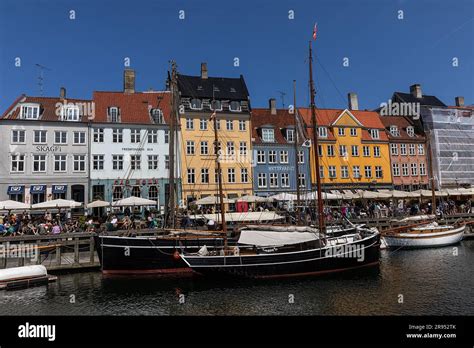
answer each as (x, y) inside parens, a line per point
(212, 116)
(315, 31)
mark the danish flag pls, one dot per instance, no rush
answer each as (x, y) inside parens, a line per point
(315, 31)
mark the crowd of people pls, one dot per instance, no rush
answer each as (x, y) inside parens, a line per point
(27, 224)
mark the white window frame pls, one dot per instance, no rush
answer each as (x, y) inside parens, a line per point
(353, 132)
(377, 152)
(261, 157)
(403, 149)
(341, 131)
(394, 149)
(378, 172)
(268, 135)
(191, 176)
(368, 170)
(204, 148)
(40, 131)
(190, 148)
(242, 125)
(344, 172)
(44, 160)
(80, 136)
(411, 131)
(405, 169)
(79, 159)
(55, 160)
(300, 157)
(285, 180)
(411, 149)
(98, 161)
(244, 175)
(290, 135)
(189, 123)
(273, 180)
(62, 141)
(356, 172)
(330, 150)
(117, 162)
(135, 135)
(98, 133)
(34, 115)
(153, 162)
(135, 162)
(262, 180)
(19, 134)
(332, 172)
(322, 132)
(366, 153)
(395, 169)
(203, 124)
(231, 175)
(153, 136)
(117, 134)
(421, 149)
(239, 109)
(272, 157)
(284, 157)
(17, 158)
(375, 134)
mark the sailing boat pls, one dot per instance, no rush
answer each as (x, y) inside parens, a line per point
(290, 251)
(425, 234)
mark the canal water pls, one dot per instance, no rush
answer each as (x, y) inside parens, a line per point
(427, 282)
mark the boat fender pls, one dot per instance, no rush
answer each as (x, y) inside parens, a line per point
(236, 251)
(176, 255)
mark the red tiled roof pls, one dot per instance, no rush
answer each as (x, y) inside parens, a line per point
(282, 120)
(402, 123)
(134, 107)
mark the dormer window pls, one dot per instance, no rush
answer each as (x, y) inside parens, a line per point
(323, 132)
(290, 135)
(374, 133)
(394, 131)
(196, 104)
(114, 114)
(30, 111)
(410, 131)
(234, 106)
(268, 135)
(70, 113)
(216, 105)
(157, 116)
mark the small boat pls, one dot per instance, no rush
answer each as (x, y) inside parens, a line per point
(24, 277)
(424, 236)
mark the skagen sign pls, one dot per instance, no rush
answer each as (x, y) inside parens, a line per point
(45, 148)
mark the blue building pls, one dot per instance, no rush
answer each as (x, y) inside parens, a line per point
(274, 157)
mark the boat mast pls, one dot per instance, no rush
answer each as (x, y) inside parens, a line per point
(219, 172)
(297, 169)
(432, 179)
(319, 200)
(174, 115)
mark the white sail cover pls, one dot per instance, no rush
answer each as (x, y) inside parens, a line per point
(242, 217)
(268, 239)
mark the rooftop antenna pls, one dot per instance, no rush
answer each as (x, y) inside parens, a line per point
(41, 77)
(282, 96)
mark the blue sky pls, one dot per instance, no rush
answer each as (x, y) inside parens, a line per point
(385, 53)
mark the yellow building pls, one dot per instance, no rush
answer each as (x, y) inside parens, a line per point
(227, 98)
(353, 149)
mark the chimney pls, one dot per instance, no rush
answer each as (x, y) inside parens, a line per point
(273, 106)
(129, 81)
(204, 70)
(415, 91)
(353, 101)
(62, 93)
(459, 101)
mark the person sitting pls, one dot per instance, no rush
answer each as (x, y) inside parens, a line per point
(56, 228)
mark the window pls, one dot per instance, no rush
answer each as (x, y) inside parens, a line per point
(374, 133)
(355, 150)
(230, 148)
(218, 124)
(244, 175)
(204, 175)
(394, 149)
(118, 193)
(18, 136)
(376, 151)
(136, 191)
(167, 162)
(285, 180)
(321, 171)
(98, 135)
(332, 172)
(114, 114)
(39, 163)
(410, 131)
(217, 150)
(204, 148)
(157, 116)
(302, 180)
(40, 137)
(353, 132)
(196, 104)
(189, 123)
(272, 156)
(378, 172)
(421, 149)
(216, 105)
(403, 149)
(243, 148)
(152, 162)
(273, 180)
(203, 124)
(117, 162)
(17, 163)
(153, 193)
(153, 136)
(300, 157)
(394, 131)
(341, 131)
(262, 180)
(366, 151)
(320, 150)
(70, 113)
(231, 175)
(79, 163)
(342, 150)
(229, 124)
(283, 156)
(344, 172)
(242, 125)
(322, 132)
(59, 163)
(411, 149)
(135, 135)
(30, 112)
(79, 138)
(167, 136)
(368, 171)
(260, 156)
(414, 169)
(216, 175)
(234, 106)
(60, 137)
(290, 135)
(117, 136)
(356, 172)
(405, 169)
(330, 150)
(268, 135)
(422, 169)
(135, 162)
(190, 147)
(395, 169)
(98, 162)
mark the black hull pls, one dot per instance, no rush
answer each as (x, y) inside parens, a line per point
(147, 255)
(308, 263)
